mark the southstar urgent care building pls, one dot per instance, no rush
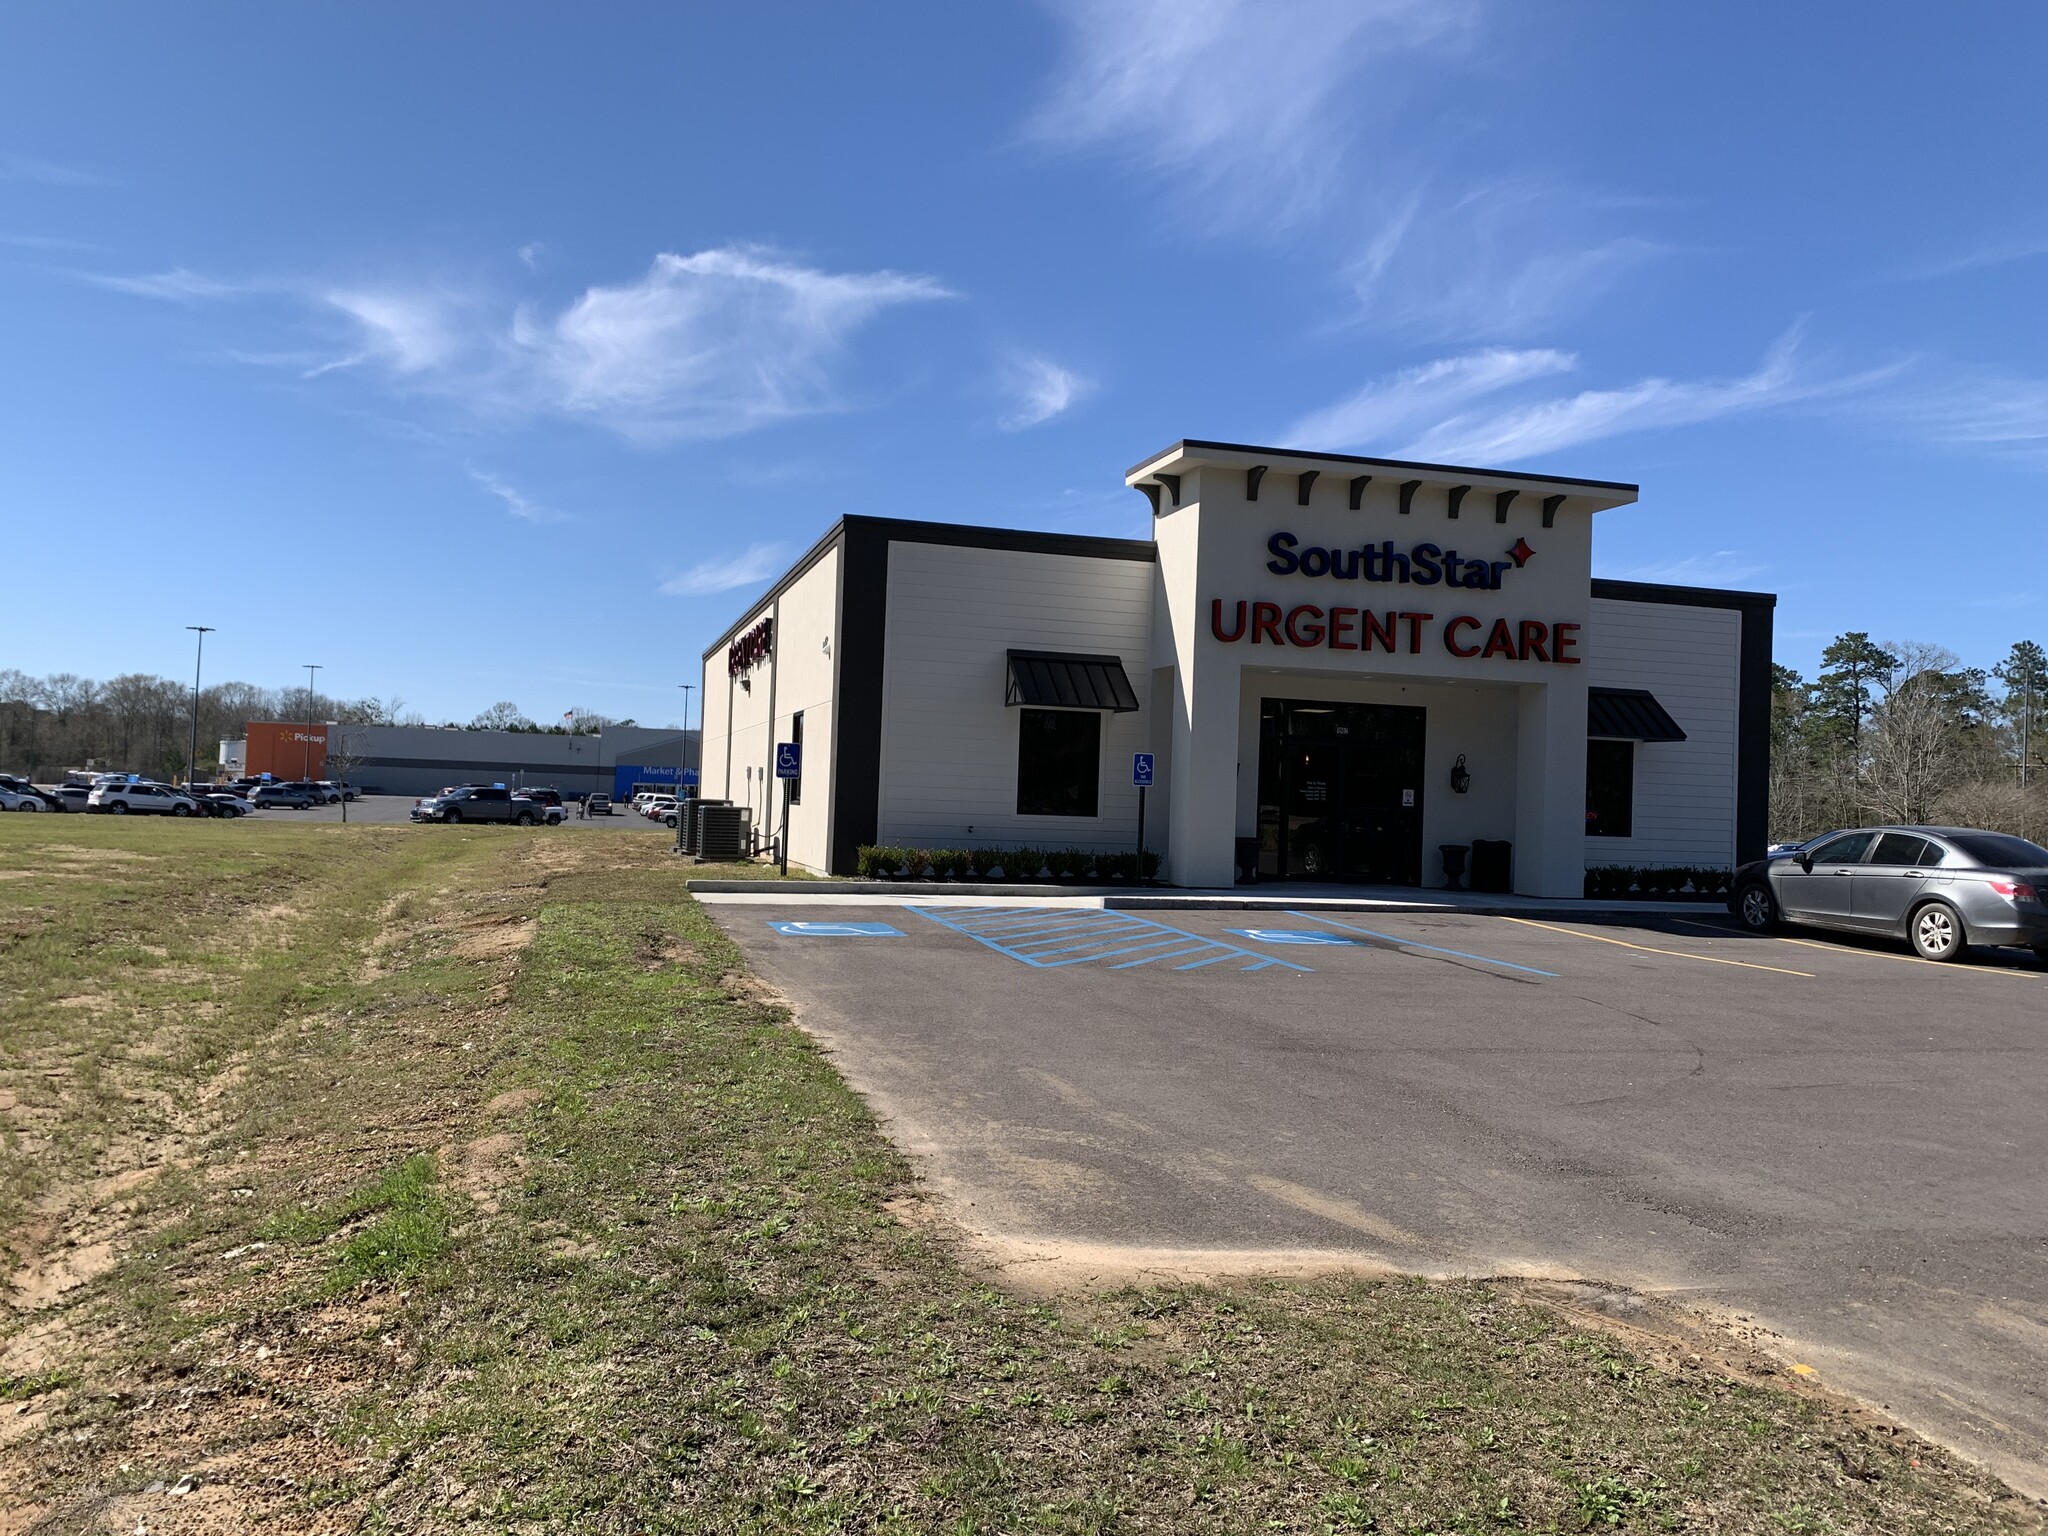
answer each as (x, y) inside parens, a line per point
(1339, 664)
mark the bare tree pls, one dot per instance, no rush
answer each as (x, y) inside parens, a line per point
(347, 751)
(1917, 747)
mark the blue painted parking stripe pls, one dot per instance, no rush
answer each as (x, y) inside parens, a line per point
(1432, 948)
(1050, 943)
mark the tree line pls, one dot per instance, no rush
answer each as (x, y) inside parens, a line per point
(138, 723)
(1901, 731)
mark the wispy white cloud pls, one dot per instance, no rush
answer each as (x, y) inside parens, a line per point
(1991, 253)
(515, 503)
(177, 285)
(1039, 389)
(1239, 98)
(1503, 260)
(46, 243)
(2004, 602)
(48, 172)
(1530, 429)
(1421, 398)
(1718, 568)
(756, 564)
(700, 346)
(1964, 407)
(529, 255)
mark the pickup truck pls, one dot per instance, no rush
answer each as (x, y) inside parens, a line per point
(474, 802)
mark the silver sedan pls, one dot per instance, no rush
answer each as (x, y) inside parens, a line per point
(1941, 889)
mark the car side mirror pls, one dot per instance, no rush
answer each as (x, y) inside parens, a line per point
(1804, 861)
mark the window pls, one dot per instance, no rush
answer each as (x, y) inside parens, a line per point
(796, 736)
(1610, 788)
(1901, 850)
(1997, 850)
(1845, 850)
(1059, 762)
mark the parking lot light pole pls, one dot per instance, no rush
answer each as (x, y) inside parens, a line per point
(192, 751)
(306, 744)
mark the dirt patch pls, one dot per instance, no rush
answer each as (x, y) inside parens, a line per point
(496, 939)
(513, 1100)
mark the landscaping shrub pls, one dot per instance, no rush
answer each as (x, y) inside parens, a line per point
(916, 863)
(1027, 863)
(872, 862)
(983, 860)
(1148, 864)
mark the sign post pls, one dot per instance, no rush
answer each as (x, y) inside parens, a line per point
(1141, 775)
(789, 767)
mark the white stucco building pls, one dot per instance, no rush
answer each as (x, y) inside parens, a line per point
(1339, 664)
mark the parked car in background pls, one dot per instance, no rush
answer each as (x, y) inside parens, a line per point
(279, 797)
(476, 802)
(597, 804)
(320, 793)
(351, 791)
(658, 807)
(540, 794)
(139, 799)
(21, 786)
(15, 800)
(1941, 889)
(218, 802)
(71, 797)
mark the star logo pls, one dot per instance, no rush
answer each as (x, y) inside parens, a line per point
(1520, 553)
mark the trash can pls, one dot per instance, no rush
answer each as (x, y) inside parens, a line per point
(1493, 865)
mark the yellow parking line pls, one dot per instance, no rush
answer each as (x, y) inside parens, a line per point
(1942, 965)
(1651, 949)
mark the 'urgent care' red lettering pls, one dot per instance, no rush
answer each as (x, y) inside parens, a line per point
(1562, 638)
(1216, 621)
(1535, 637)
(1266, 623)
(1378, 632)
(1415, 623)
(1341, 624)
(1501, 641)
(1451, 636)
(1309, 634)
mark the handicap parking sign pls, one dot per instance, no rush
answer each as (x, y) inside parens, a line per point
(1141, 769)
(1290, 936)
(789, 759)
(837, 930)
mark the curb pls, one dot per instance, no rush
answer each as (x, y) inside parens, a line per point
(1123, 899)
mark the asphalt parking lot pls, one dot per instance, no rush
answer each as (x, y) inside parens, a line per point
(387, 809)
(1828, 1136)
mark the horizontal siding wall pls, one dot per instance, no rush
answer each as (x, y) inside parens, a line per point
(949, 743)
(1690, 658)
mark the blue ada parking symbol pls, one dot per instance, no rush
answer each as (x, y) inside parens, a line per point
(789, 759)
(1290, 936)
(837, 930)
(1141, 769)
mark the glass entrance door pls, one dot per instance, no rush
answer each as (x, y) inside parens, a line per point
(1340, 791)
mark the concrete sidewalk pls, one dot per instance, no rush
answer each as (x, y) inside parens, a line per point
(1252, 898)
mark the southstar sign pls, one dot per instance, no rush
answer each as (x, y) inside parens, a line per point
(1423, 565)
(1309, 625)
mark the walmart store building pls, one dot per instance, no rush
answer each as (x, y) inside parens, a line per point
(1340, 664)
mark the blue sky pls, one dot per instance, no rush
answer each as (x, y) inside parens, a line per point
(481, 352)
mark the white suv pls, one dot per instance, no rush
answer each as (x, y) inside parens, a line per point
(140, 800)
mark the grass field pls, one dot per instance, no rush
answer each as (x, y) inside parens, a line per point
(392, 1179)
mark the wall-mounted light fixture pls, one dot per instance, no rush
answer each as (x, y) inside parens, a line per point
(1461, 780)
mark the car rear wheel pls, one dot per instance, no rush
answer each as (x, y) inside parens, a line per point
(1937, 932)
(28, 805)
(119, 807)
(524, 818)
(181, 810)
(1757, 908)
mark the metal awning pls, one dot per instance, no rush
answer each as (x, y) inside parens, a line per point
(1063, 680)
(1629, 714)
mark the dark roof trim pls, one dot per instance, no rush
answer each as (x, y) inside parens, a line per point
(1064, 680)
(1629, 714)
(1352, 458)
(960, 535)
(1683, 597)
